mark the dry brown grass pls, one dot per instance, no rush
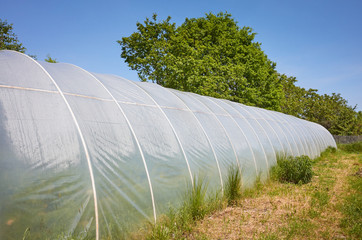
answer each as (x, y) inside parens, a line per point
(254, 217)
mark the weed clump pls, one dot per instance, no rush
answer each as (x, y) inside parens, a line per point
(195, 204)
(297, 170)
(233, 185)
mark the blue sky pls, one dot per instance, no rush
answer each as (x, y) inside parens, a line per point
(318, 42)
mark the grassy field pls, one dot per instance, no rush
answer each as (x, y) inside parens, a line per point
(328, 207)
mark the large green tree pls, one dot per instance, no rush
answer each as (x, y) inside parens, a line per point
(209, 55)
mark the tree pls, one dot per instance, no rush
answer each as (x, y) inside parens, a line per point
(8, 39)
(358, 129)
(210, 56)
(294, 100)
(334, 113)
(331, 111)
(50, 59)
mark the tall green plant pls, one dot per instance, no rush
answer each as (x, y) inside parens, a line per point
(195, 199)
(233, 185)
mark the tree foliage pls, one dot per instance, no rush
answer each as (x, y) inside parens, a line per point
(8, 39)
(331, 111)
(49, 59)
(213, 56)
(210, 56)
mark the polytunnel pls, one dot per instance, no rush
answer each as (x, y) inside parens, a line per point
(96, 153)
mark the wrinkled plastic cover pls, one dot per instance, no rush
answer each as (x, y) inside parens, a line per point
(84, 153)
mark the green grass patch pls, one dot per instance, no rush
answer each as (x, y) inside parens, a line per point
(352, 207)
(320, 198)
(328, 151)
(298, 228)
(256, 190)
(270, 236)
(351, 148)
(312, 213)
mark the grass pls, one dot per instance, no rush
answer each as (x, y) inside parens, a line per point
(178, 223)
(351, 148)
(326, 207)
(233, 185)
(195, 205)
(352, 207)
(26, 234)
(63, 236)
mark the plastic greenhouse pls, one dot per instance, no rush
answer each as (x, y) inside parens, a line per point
(86, 152)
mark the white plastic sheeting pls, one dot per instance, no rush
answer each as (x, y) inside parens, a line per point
(85, 152)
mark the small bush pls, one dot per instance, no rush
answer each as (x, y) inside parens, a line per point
(233, 185)
(293, 169)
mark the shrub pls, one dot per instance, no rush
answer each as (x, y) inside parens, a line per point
(293, 169)
(233, 185)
